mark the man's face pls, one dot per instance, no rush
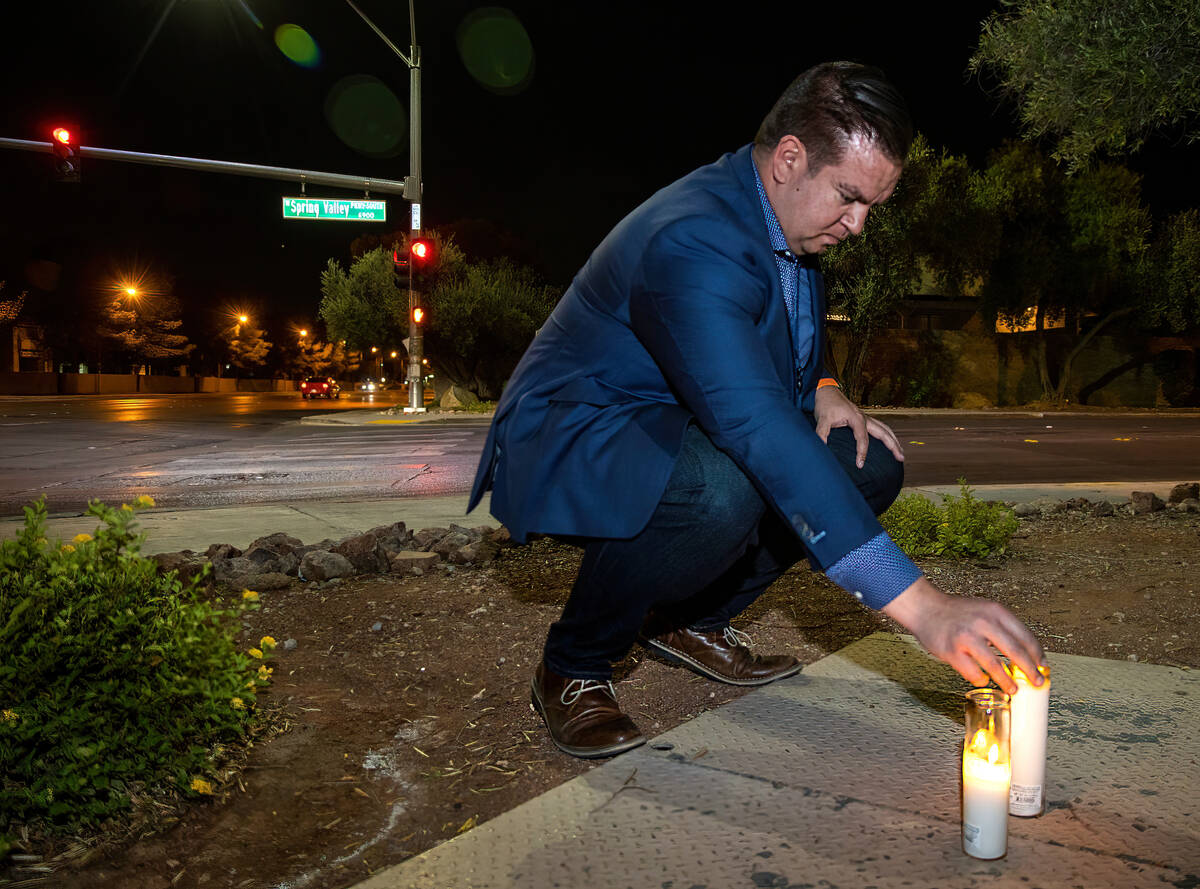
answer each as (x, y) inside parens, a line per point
(817, 211)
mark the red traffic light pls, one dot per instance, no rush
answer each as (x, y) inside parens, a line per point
(422, 251)
(66, 155)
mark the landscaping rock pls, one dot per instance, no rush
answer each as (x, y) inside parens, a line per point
(451, 542)
(1144, 502)
(475, 553)
(1103, 508)
(408, 561)
(1185, 491)
(392, 538)
(222, 551)
(322, 565)
(1025, 510)
(268, 560)
(457, 396)
(277, 542)
(364, 553)
(186, 564)
(1190, 505)
(427, 537)
(270, 580)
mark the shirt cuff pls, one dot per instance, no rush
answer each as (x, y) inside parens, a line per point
(875, 573)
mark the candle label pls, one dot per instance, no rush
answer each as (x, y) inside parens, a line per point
(1025, 799)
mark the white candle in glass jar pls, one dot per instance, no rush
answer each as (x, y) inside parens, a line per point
(985, 805)
(1029, 708)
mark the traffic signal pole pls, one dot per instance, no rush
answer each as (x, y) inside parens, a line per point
(413, 192)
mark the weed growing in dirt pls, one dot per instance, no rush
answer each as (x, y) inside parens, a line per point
(963, 526)
(114, 679)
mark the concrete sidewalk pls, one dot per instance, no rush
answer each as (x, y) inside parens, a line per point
(848, 775)
(171, 530)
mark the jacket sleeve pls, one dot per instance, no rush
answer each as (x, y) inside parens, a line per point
(696, 307)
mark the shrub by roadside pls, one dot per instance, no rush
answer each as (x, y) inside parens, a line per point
(115, 680)
(962, 527)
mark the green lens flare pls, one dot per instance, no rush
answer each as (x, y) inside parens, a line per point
(296, 43)
(367, 116)
(496, 50)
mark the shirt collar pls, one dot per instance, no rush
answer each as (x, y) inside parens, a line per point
(774, 229)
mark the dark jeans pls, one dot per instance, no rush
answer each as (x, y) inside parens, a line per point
(709, 550)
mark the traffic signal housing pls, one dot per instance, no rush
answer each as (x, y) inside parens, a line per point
(66, 154)
(399, 260)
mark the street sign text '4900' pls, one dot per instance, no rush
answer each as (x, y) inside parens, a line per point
(335, 208)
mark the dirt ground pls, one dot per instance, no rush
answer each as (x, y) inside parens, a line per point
(401, 737)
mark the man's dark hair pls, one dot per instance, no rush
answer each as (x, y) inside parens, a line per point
(829, 104)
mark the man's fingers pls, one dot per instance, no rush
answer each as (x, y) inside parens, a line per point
(862, 439)
(884, 433)
(823, 428)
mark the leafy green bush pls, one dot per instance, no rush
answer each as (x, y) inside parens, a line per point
(963, 526)
(114, 679)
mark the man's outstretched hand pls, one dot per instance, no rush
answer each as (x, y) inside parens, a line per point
(832, 409)
(963, 632)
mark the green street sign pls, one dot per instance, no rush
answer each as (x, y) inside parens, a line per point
(335, 208)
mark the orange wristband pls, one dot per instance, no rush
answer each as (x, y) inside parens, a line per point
(827, 381)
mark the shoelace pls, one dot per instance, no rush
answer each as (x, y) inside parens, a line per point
(736, 637)
(577, 687)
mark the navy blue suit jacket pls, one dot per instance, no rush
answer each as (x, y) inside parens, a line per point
(677, 317)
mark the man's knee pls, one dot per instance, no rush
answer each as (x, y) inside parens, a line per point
(882, 475)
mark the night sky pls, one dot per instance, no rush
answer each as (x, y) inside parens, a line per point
(622, 98)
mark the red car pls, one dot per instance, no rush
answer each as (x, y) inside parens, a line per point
(320, 387)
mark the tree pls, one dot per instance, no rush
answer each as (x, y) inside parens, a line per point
(1096, 75)
(1071, 248)
(317, 359)
(1176, 258)
(480, 321)
(363, 307)
(248, 349)
(11, 303)
(146, 327)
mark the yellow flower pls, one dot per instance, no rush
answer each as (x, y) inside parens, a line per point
(67, 548)
(81, 538)
(236, 704)
(143, 501)
(249, 684)
(250, 595)
(126, 507)
(266, 642)
(9, 715)
(254, 652)
(264, 672)
(201, 786)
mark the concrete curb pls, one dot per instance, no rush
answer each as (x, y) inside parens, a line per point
(373, 417)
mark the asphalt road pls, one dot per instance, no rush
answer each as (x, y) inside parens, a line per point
(243, 448)
(221, 450)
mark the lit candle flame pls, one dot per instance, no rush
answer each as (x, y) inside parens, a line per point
(980, 740)
(993, 754)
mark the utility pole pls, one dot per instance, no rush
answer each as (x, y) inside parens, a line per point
(413, 191)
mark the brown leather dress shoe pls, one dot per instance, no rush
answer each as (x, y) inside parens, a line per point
(582, 715)
(722, 655)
